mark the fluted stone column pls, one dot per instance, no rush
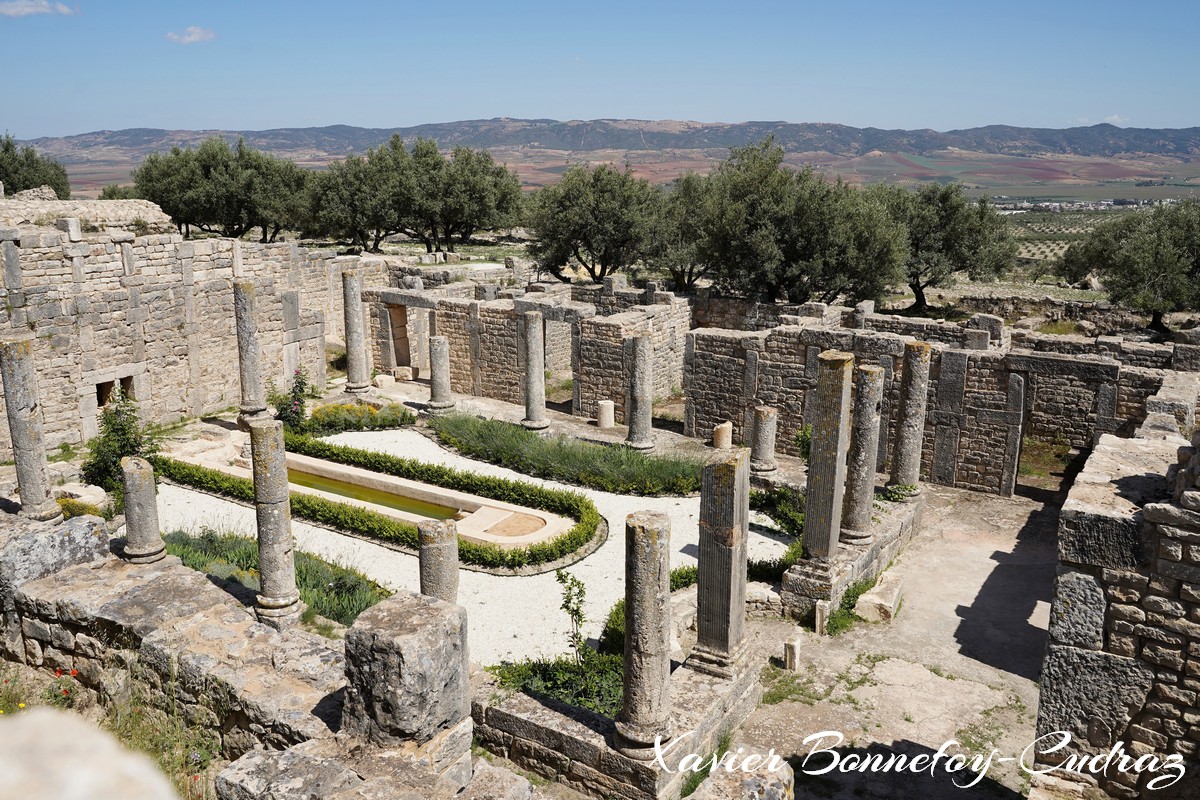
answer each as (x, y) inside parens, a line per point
(438, 557)
(358, 376)
(864, 451)
(606, 414)
(721, 585)
(762, 453)
(639, 414)
(254, 403)
(827, 458)
(910, 422)
(440, 400)
(535, 373)
(143, 535)
(646, 707)
(722, 436)
(278, 599)
(25, 426)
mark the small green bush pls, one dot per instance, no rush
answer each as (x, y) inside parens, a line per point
(620, 470)
(338, 417)
(594, 682)
(289, 405)
(78, 508)
(785, 507)
(121, 435)
(804, 441)
(335, 592)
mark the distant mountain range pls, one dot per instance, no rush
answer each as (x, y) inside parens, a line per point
(1085, 162)
(336, 141)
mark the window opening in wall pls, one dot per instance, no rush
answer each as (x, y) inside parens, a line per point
(104, 393)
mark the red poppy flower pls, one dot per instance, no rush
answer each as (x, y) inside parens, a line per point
(58, 673)
(74, 672)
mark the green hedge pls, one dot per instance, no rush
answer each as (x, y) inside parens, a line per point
(338, 417)
(620, 470)
(372, 524)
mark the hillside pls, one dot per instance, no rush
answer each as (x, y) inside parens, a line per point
(992, 156)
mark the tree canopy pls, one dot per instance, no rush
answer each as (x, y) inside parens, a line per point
(601, 219)
(417, 192)
(22, 168)
(222, 189)
(1149, 261)
(947, 234)
(774, 232)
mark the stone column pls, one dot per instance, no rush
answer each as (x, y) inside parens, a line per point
(827, 459)
(25, 427)
(721, 586)
(722, 436)
(864, 450)
(143, 536)
(278, 599)
(254, 403)
(535, 373)
(358, 377)
(440, 400)
(646, 707)
(762, 453)
(606, 414)
(639, 414)
(910, 423)
(438, 559)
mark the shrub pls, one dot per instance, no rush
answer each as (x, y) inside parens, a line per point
(335, 592)
(337, 417)
(77, 508)
(619, 470)
(804, 441)
(289, 405)
(843, 617)
(785, 507)
(120, 435)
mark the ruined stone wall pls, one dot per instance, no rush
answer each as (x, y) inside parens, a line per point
(954, 334)
(1133, 354)
(155, 314)
(485, 347)
(1107, 318)
(1123, 662)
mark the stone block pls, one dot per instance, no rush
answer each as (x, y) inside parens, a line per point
(407, 670)
(71, 227)
(1077, 616)
(1085, 691)
(402, 373)
(882, 601)
(1100, 541)
(756, 774)
(32, 550)
(383, 381)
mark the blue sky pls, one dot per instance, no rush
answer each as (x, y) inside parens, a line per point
(84, 65)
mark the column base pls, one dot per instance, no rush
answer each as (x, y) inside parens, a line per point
(716, 663)
(49, 511)
(440, 406)
(358, 389)
(535, 424)
(145, 555)
(279, 614)
(637, 742)
(644, 445)
(848, 536)
(905, 494)
(763, 467)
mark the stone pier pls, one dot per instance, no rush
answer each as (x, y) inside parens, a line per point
(910, 422)
(639, 411)
(25, 426)
(438, 559)
(762, 453)
(864, 452)
(278, 600)
(535, 373)
(143, 535)
(646, 708)
(254, 402)
(722, 438)
(358, 376)
(827, 459)
(721, 586)
(606, 414)
(440, 400)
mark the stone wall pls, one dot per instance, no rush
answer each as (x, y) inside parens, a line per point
(1122, 667)
(1106, 317)
(154, 315)
(134, 216)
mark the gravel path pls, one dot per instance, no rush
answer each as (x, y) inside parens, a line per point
(509, 617)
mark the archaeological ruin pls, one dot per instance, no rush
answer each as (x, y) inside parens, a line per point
(866, 414)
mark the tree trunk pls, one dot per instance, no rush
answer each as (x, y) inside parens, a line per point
(919, 301)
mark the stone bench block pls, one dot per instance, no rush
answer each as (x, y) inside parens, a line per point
(881, 602)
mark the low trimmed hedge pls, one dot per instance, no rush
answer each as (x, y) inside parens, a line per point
(338, 417)
(620, 470)
(374, 525)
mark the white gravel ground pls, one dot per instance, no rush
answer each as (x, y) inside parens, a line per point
(508, 617)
